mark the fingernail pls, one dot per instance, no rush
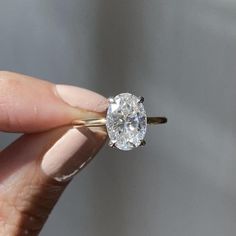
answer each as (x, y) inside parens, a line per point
(82, 98)
(76, 147)
(71, 152)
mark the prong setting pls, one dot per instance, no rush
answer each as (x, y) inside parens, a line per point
(112, 144)
(143, 143)
(141, 99)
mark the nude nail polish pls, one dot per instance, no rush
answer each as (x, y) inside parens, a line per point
(71, 152)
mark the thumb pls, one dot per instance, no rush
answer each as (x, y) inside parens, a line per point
(35, 170)
(37, 167)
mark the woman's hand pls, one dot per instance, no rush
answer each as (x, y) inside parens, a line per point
(36, 168)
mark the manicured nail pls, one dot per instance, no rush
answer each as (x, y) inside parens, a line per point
(76, 147)
(82, 98)
(71, 152)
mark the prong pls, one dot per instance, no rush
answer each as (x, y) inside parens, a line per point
(111, 100)
(141, 99)
(143, 143)
(112, 144)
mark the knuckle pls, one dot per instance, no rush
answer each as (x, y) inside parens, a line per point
(12, 230)
(13, 223)
(27, 209)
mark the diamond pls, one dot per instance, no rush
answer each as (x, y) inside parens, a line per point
(126, 121)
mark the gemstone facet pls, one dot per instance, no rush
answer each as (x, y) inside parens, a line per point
(126, 121)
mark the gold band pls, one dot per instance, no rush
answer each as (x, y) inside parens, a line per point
(102, 122)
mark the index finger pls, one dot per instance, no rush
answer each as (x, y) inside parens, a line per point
(31, 105)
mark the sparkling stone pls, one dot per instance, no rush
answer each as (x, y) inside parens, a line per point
(126, 121)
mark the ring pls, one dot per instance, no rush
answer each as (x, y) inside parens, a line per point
(126, 121)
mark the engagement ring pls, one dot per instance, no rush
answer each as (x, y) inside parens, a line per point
(126, 121)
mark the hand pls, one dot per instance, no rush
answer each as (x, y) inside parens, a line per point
(36, 168)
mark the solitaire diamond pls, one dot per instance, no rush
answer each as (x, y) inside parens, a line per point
(126, 121)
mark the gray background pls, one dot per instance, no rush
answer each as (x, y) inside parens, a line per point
(181, 56)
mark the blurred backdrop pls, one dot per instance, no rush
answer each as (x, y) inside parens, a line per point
(181, 56)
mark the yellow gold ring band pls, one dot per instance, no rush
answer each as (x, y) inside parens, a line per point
(102, 122)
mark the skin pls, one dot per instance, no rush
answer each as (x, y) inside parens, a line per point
(28, 188)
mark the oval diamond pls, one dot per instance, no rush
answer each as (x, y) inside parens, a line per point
(126, 121)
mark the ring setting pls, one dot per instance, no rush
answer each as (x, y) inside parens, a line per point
(126, 121)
